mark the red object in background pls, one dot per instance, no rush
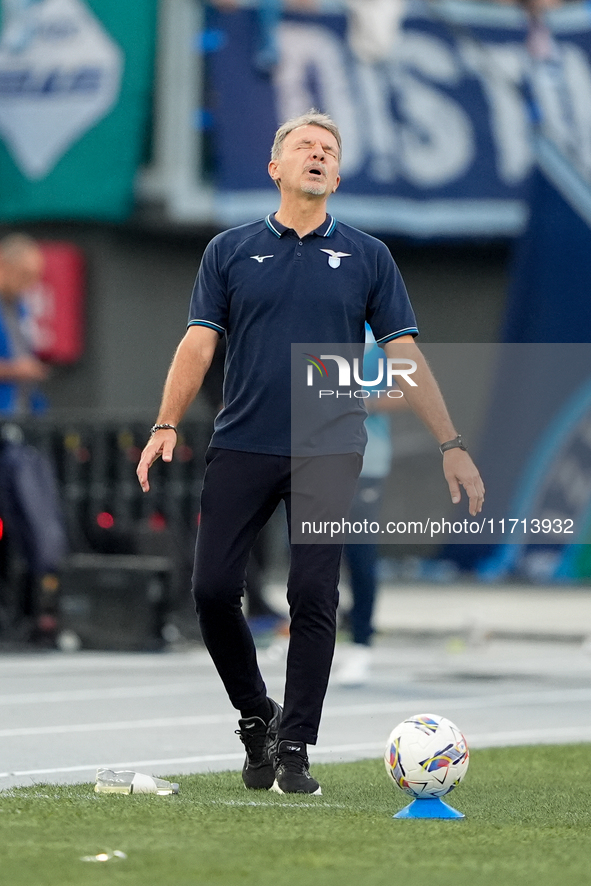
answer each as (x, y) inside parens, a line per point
(157, 522)
(56, 304)
(105, 520)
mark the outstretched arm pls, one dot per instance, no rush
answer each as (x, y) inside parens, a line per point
(185, 376)
(427, 402)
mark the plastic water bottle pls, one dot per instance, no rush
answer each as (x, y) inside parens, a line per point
(124, 782)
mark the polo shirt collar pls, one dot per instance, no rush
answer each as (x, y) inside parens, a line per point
(324, 230)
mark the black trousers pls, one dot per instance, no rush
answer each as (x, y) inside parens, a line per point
(240, 492)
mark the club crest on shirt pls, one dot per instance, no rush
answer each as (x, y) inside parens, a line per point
(334, 258)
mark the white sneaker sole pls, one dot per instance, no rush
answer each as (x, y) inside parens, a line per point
(275, 787)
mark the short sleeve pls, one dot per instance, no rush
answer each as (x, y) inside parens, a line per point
(371, 360)
(389, 311)
(209, 302)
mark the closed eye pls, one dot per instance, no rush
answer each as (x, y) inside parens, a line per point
(327, 149)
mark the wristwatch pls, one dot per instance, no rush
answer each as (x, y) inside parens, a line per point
(456, 443)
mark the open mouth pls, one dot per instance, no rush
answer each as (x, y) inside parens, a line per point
(315, 170)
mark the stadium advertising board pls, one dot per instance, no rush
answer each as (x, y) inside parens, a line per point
(75, 82)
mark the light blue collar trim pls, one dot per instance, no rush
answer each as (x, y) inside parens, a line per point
(331, 227)
(271, 227)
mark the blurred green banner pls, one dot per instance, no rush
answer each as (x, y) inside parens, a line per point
(75, 91)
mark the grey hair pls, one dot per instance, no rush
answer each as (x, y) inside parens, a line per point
(313, 117)
(14, 246)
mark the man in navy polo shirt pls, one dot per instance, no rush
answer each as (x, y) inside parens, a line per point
(297, 276)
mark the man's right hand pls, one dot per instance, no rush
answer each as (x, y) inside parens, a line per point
(160, 445)
(190, 363)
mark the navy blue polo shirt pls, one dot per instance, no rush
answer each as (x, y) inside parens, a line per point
(265, 288)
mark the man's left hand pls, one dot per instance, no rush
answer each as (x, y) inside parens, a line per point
(460, 470)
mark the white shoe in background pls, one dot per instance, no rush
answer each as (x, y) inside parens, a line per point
(355, 667)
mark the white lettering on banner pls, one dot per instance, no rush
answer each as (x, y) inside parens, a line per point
(398, 119)
(313, 56)
(554, 103)
(437, 136)
(381, 131)
(500, 71)
(577, 74)
(60, 73)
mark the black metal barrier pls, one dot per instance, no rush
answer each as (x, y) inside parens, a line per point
(95, 464)
(105, 510)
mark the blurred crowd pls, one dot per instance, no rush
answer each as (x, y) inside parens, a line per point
(364, 8)
(373, 25)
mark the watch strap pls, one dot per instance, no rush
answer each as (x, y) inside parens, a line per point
(456, 443)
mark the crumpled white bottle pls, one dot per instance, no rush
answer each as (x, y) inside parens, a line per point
(127, 782)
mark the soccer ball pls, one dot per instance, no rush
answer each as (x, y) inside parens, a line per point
(426, 756)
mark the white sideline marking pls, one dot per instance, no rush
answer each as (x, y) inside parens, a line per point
(544, 696)
(204, 758)
(530, 736)
(491, 739)
(154, 690)
(162, 722)
(407, 706)
(92, 694)
(60, 662)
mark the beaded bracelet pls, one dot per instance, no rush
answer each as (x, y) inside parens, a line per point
(163, 427)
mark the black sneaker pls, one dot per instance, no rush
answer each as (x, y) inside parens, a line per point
(259, 739)
(292, 770)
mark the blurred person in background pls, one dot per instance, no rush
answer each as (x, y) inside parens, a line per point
(362, 557)
(21, 268)
(373, 27)
(540, 42)
(267, 55)
(29, 503)
(548, 77)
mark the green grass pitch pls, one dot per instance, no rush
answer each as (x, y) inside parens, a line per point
(528, 821)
